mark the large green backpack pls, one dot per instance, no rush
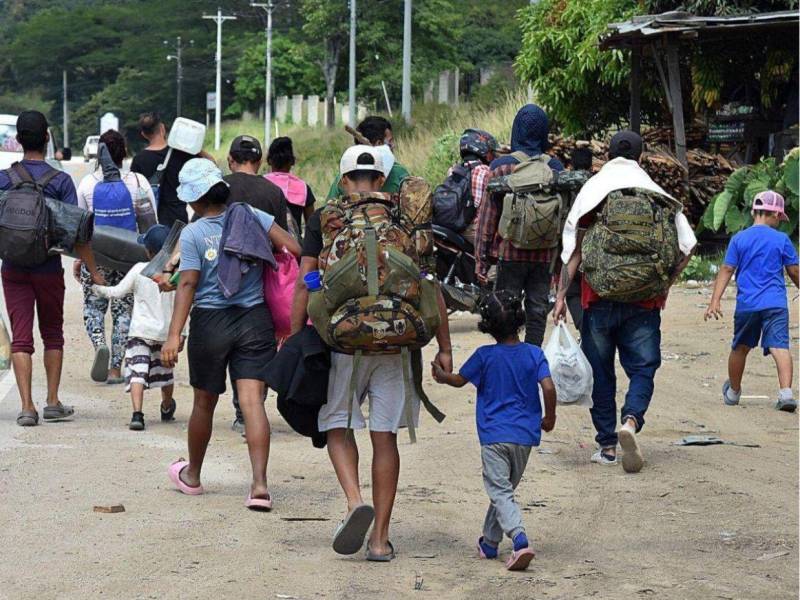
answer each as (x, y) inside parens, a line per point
(532, 211)
(377, 296)
(630, 253)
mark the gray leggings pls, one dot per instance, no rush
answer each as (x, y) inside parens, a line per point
(503, 466)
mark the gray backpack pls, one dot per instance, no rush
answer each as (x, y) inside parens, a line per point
(532, 211)
(24, 218)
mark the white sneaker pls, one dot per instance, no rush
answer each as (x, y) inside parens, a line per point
(601, 458)
(632, 459)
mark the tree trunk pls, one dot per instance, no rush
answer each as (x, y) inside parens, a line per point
(330, 64)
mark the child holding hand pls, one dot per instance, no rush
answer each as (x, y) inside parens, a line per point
(507, 376)
(759, 255)
(152, 312)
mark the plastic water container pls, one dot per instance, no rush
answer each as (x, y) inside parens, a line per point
(187, 135)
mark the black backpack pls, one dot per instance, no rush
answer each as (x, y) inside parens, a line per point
(453, 205)
(24, 218)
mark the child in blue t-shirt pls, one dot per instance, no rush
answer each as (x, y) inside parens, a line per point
(759, 255)
(509, 418)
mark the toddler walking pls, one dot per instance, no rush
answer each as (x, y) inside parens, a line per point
(507, 376)
(152, 312)
(759, 255)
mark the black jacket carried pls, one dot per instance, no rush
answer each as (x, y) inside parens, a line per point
(299, 374)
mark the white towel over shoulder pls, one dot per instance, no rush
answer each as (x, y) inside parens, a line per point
(618, 174)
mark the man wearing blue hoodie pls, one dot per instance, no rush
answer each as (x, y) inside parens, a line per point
(525, 272)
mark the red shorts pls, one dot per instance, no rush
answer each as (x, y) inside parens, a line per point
(42, 291)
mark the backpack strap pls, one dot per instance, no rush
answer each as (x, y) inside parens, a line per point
(519, 155)
(416, 373)
(408, 393)
(47, 177)
(19, 174)
(352, 393)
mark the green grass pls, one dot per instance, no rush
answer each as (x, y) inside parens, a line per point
(427, 148)
(702, 268)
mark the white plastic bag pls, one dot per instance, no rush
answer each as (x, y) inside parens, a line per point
(569, 368)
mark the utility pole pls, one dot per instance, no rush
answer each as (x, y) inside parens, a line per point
(406, 104)
(219, 19)
(352, 87)
(268, 67)
(178, 58)
(66, 111)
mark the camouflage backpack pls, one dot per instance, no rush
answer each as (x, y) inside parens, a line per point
(631, 251)
(377, 296)
(532, 211)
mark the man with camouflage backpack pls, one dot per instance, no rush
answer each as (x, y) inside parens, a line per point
(520, 229)
(376, 306)
(631, 241)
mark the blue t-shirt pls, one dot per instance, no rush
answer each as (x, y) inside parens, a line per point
(507, 378)
(759, 254)
(553, 163)
(200, 252)
(61, 188)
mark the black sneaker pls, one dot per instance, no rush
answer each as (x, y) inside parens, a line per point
(169, 414)
(137, 422)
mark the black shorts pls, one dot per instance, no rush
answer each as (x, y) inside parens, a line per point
(235, 338)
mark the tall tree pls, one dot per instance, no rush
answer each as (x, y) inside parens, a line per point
(327, 23)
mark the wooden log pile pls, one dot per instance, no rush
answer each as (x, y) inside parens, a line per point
(707, 172)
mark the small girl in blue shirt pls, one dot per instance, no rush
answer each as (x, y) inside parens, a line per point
(507, 376)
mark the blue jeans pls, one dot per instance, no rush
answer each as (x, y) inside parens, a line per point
(636, 333)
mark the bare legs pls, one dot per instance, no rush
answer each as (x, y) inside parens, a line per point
(343, 453)
(23, 372)
(257, 433)
(736, 363)
(385, 473)
(783, 361)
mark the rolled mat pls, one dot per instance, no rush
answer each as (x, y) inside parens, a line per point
(69, 225)
(117, 248)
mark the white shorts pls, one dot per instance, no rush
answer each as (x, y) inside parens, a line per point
(380, 378)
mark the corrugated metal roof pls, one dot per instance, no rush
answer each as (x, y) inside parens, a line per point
(641, 27)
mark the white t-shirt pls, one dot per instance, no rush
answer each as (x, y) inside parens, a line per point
(152, 308)
(135, 183)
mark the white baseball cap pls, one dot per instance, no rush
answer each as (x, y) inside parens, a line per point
(349, 162)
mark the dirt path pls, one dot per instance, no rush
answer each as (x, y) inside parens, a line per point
(697, 523)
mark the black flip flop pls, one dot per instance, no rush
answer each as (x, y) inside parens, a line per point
(349, 537)
(169, 415)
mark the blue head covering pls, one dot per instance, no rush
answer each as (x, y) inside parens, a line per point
(529, 131)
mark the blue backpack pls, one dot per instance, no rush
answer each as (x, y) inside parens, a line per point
(112, 202)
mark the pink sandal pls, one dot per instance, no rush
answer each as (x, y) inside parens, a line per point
(520, 559)
(259, 504)
(174, 473)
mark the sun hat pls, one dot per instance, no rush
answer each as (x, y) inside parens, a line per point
(770, 201)
(350, 160)
(197, 176)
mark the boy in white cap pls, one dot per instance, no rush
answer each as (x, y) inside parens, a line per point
(379, 377)
(759, 255)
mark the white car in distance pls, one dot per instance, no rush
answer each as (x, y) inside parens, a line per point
(90, 147)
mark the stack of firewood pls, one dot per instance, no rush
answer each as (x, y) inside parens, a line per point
(706, 177)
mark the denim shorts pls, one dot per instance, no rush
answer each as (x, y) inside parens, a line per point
(771, 325)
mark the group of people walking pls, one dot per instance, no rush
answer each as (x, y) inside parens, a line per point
(365, 292)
